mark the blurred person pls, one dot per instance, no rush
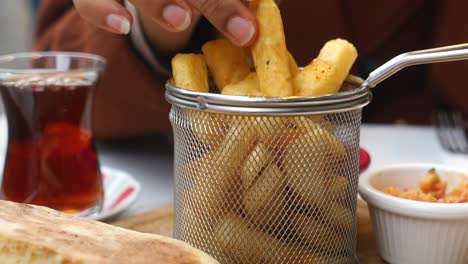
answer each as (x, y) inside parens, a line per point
(130, 98)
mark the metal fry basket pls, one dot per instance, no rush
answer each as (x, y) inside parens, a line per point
(265, 180)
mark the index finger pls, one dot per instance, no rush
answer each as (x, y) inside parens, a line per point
(230, 17)
(106, 14)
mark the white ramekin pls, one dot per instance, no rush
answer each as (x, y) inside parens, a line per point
(415, 232)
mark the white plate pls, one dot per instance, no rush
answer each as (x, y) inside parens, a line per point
(120, 188)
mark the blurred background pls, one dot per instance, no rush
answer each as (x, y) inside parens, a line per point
(16, 25)
(17, 19)
(410, 97)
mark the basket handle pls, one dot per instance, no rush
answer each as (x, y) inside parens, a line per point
(435, 55)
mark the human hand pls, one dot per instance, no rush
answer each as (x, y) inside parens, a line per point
(230, 17)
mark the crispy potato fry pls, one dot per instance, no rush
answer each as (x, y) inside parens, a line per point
(265, 202)
(269, 51)
(255, 162)
(210, 194)
(248, 244)
(307, 158)
(327, 143)
(337, 186)
(293, 67)
(316, 79)
(189, 72)
(279, 141)
(232, 152)
(228, 63)
(308, 123)
(212, 199)
(338, 215)
(341, 54)
(247, 87)
(271, 129)
(318, 143)
(209, 128)
(316, 233)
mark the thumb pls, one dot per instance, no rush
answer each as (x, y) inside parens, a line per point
(106, 14)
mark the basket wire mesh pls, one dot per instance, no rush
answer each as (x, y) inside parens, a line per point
(267, 189)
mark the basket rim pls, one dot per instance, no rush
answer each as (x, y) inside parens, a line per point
(294, 105)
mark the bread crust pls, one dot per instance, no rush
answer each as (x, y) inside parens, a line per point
(34, 234)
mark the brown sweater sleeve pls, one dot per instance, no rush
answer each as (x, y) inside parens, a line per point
(450, 80)
(129, 99)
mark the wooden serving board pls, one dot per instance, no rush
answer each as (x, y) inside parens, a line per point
(160, 221)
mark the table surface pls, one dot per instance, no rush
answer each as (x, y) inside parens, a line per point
(150, 161)
(153, 167)
(161, 221)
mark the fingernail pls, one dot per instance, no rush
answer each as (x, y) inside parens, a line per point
(119, 23)
(176, 17)
(241, 30)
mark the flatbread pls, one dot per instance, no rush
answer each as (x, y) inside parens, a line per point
(34, 234)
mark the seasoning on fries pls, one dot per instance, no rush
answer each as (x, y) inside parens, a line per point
(269, 52)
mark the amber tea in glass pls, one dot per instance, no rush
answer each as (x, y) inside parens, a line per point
(51, 159)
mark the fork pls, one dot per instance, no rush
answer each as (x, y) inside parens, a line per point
(450, 128)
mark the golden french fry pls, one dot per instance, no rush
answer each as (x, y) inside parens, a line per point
(244, 243)
(203, 204)
(328, 125)
(228, 63)
(337, 186)
(210, 194)
(247, 243)
(318, 142)
(189, 72)
(265, 202)
(279, 141)
(341, 54)
(271, 129)
(255, 162)
(327, 143)
(316, 233)
(209, 199)
(209, 128)
(269, 51)
(316, 79)
(338, 215)
(307, 158)
(247, 87)
(293, 67)
(308, 123)
(228, 159)
(305, 173)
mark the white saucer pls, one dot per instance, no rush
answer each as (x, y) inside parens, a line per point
(120, 192)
